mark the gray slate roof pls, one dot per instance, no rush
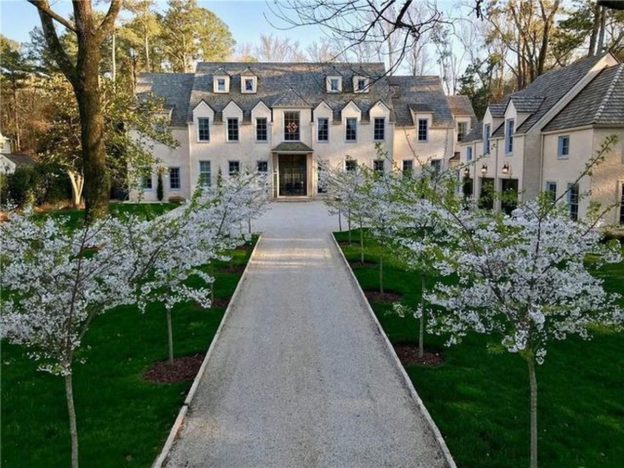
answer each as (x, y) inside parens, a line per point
(420, 94)
(601, 102)
(475, 133)
(286, 84)
(461, 106)
(174, 88)
(20, 159)
(292, 147)
(552, 86)
(302, 85)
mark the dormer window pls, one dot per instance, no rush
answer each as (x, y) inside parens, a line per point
(221, 84)
(248, 84)
(360, 84)
(334, 84)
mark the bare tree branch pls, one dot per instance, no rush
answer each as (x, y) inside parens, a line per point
(44, 8)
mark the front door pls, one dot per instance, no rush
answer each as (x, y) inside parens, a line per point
(292, 175)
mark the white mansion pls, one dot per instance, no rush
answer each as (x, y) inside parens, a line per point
(283, 118)
(540, 139)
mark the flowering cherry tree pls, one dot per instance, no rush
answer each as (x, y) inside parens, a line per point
(523, 277)
(57, 280)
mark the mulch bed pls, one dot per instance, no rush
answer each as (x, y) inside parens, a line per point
(184, 369)
(220, 303)
(408, 355)
(238, 269)
(379, 298)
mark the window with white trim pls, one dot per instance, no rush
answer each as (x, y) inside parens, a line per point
(487, 132)
(334, 84)
(469, 153)
(360, 84)
(232, 129)
(248, 84)
(509, 129)
(379, 129)
(563, 147)
(203, 129)
(233, 167)
(205, 175)
(462, 128)
(262, 167)
(261, 129)
(350, 165)
(291, 126)
(322, 129)
(423, 126)
(408, 166)
(436, 164)
(174, 178)
(351, 129)
(573, 201)
(220, 84)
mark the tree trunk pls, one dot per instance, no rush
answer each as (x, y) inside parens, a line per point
(421, 333)
(381, 287)
(340, 220)
(147, 54)
(114, 57)
(77, 183)
(87, 90)
(18, 139)
(593, 38)
(361, 243)
(170, 335)
(249, 224)
(533, 386)
(601, 34)
(73, 431)
(349, 224)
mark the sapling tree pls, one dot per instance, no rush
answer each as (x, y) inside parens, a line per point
(524, 277)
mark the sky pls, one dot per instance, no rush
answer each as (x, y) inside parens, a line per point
(245, 19)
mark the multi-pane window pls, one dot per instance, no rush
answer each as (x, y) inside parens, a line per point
(221, 85)
(361, 85)
(232, 129)
(563, 145)
(204, 173)
(378, 165)
(323, 129)
(408, 166)
(509, 129)
(469, 153)
(174, 178)
(320, 187)
(261, 129)
(351, 129)
(461, 130)
(350, 165)
(146, 182)
(436, 164)
(486, 138)
(203, 129)
(379, 130)
(233, 167)
(486, 197)
(573, 201)
(422, 129)
(263, 167)
(291, 126)
(551, 191)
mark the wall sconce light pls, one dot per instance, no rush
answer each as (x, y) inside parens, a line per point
(484, 169)
(506, 169)
(466, 172)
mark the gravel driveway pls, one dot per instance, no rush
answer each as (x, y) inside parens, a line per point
(300, 375)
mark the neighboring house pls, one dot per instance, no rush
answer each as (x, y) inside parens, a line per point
(284, 118)
(5, 144)
(10, 162)
(539, 139)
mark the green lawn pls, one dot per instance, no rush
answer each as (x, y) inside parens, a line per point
(479, 400)
(143, 210)
(122, 419)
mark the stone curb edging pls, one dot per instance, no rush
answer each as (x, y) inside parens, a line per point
(177, 425)
(407, 381)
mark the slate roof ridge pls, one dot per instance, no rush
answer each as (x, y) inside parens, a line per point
(609, 93)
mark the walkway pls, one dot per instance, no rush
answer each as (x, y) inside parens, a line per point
(300, 375)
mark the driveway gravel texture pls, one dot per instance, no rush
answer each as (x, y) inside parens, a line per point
(300, 376)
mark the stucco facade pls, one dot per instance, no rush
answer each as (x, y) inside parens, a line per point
(541, 139)
(304, 119)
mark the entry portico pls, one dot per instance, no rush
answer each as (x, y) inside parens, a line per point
(293, 166)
